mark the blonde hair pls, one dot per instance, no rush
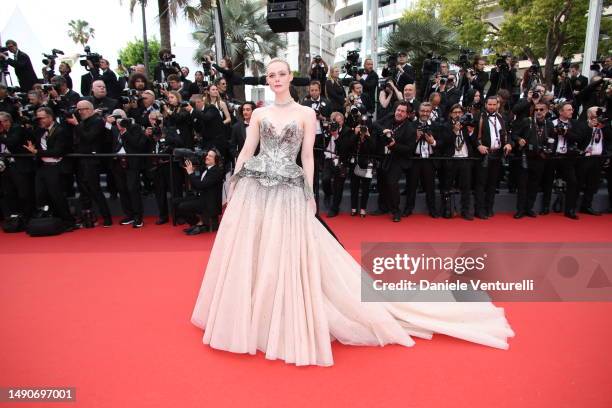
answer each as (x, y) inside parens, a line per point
(282, 61)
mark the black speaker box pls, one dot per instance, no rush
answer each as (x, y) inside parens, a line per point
(286, 16)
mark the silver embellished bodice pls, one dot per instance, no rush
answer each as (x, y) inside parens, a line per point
(275, 164)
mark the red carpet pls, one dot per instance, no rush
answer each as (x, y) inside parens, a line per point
(107, 311)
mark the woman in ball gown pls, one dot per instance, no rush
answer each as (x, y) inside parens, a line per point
(277, 281)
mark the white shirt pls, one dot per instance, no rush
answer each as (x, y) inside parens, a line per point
(595, 147)
(496, 129)
(204, 173)
(423, 148)
(43, 145)
(561, 141)
(463, 152)
(316, 105)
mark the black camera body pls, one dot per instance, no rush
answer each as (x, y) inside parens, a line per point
(352, 63)
(467, 119)
(90, 56)
(195, 156)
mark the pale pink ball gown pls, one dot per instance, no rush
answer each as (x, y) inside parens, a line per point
(277, 281)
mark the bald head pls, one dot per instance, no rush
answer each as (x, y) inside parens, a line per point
(98, 89)
(85, 109)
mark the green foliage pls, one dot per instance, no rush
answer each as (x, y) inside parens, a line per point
(419, 33)
(133, 53)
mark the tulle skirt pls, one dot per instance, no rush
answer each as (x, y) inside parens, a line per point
(277, 281)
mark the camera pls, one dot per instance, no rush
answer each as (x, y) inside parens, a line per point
(206, 66)
(443, 79)
(561, 128)
(467, 119)
(69, 111)
(390, 71)
(47, 87)
(90, 56)
(166, 59)
(352, 65)
(194, 156)
(465, 55)
(535, 95)
(431, 64)
(334, 126)
(424, 127)
(52, 56)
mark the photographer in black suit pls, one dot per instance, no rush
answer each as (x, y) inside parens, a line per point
(110, 79)
(533, 139)
(22, 65)
(335, 163)
(238, 134)
(99, 98)
(52, 141)
(392, 136)
(493, 144)
(17, 179)
(405, 72)
(128, 137)
(90, 135)
(595, 140)
(425, 137)
(165, 67)
(205, 206)
(61, 98)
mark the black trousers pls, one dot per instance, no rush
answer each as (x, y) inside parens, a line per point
(18, 191)
(589, 176)
(360, 191)
(529, 181)
(566, 169)
(423, 171)
(161, 185)
(48, 191)
(390, 184)
(88, 179)
(486, 183)
(332, 182)
(128, 184)
(609, 178)
(458, 172)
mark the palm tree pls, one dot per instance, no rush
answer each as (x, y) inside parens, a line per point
(80, 32)
(167, 9)
(418, 37)
(247, 36)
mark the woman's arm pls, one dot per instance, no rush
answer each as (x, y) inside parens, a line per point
(308, 157)
(384, 99)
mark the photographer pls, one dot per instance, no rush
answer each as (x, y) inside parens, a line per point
(335, 90)
(165, 67)
(356, 103)
(358, 165)
(409, 95)
(110, 79)
(503, 76)
(238, 135)
(369, 81)
(437, 110)
(595, 140)
(52, 141)
(472, 102)
(175, 84)
(163, 140)
(450, 95)
(176, 115)
(322, 108)
(225, 68)
(425, 135)
(534, 143)
(21, 63)
(459, 145)
(524, 108)
(139, 82)
(186, 83)
(493, 143)
(128, 137)
(61, 98)
(199, 86)
(64, 71)
(476, 76)
(8, 104)
(564, 150)
(531, 78)
(596, 93)
(146, 105)
(16, 173)
(405, 72)
(205, 205)
(392, 136)
(99, 99)
(318, 71)
(389, 94)
(90, 135)
(337, 145)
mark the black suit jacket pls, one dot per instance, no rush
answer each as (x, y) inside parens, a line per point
(445, 144)
(527, 129)
(237, 138)
(109, 103)
(584, 134)
(325, 107)
(59, 143)
(405, 76)
(336, 94)
(133, 141)
(24, 70)
(405, 142)
(14, 140)
(91, 134)
(210, 189)
(485, 134)
(86, 81)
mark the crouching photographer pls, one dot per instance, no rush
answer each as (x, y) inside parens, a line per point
(202, 209)
(163, 140)
(127, 137)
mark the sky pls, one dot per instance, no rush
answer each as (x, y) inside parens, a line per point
(45, 26)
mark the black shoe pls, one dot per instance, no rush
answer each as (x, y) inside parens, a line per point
(590, 211)
(482, 216)
(519, 214)
(531, 213)
(161, 220)
(126, 221)
(406, 212)
(138, 223)
(332, 213)
(397, 218)
(186, 230)
(434, 214)
(197, 230)
(107, 223)
(70, 227)
(467, 216)
(490, 213)
(545, 211)
(571, 214)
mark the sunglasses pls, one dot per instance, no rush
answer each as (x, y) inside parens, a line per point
(540, 110)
